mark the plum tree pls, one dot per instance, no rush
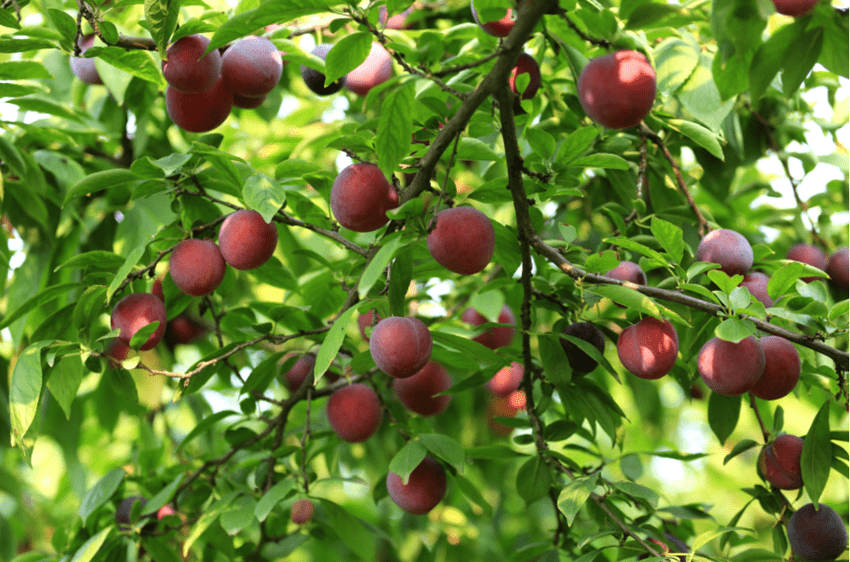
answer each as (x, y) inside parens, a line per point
(628, 271)
(497, 336)
(251, 67)
(201, 112)
(419, 392)
(425, 487)
(838, 268)
(299, 371)
(315, 80)
(365, 320)
(354, 412)
(649, 348)
(782, 369)
(779, 462)
(462, 240)
(580, 361)
(246, 240)
(82, 67)
(400, 346)
(617, 90)
(525, 64)
(361, 197)
(134, 312)
(122, 513)
(756, 283)
(727, 248)
(795, 8)
(375, 70)
(730, 368)
(496, 28)
(302, 511)
(808, 254)
(817, 534)
(186, 70)
(506, 380)
(197, 266)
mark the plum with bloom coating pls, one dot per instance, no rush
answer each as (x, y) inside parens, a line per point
(730, 368)
(727, 248)
(649, 348)
(354, 412)
(425, 488)
(463, 240)
(134, 312)
(419, 392)
(617, 90)
(246, 240)
(197, 267)
(400, 346)
(819, 535)
(186, 70)
(361, 197)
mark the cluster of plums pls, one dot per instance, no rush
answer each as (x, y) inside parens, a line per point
(197, 267)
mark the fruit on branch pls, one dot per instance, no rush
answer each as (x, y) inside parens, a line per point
(246, 102)
(246, 240)
(354, 412)
(817, 535)
(497, 336)
(361, 197)
(302, 511)
(795, 8)
(183, 330)
(581, 362)
(84, 68)
(838, 268)
(425, 488)
(463, 240)
(779, 462)
(186, 70)
(398, 21)
(497, 28)
(503, 407)
(116, 353)
(617, 90)
(781, 369)
(134, 312)
(156, 288)
(727, 248)
(251, 67)
(756, 282)
(417, 393)
(299, 372)
(376, 69)
(627, 271)
(201, 112)
(400, 346)
(507, 379)
(731, 368)
(315, 80)
(122, 514)
(810, 255)
(649, 348)
(365, 320)
(525, 64)
(197, 266)
(165, 511)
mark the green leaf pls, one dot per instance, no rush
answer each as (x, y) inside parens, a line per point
(577, 142)
(162, 497)
(670, 237)
(64, 382)
(401, 273)
(395, 127)
(24, 45)
(629, 298)
(346, 55)
(600, 263)
(12, 158)
(556, 366)
(332, 342)
(784, 278)
(262, 375)
(495, 452)
(392, 246)
(768, 59)
(639, 491)
(267, 13)
(817, 455)
(734, 330)
(475, 149)
(98, 181)
(574, 495)
(353, 532)
(272, 497)
(23, 70)
(675, 59)
(699, 134)
(799, 60)
(238, 514)
(208, 517)
(161, 17)
(132, 259)
(723, 413)
(92, 546)
(447, 448)
(630, 244)
(100, 493)
(407, 459)
(140, 64)
(264, 195)
(25, 389)
(473, 494)
(739, 448)
(141, 337)
(204, 425)
(600, 160)
(533, 479)
(412, 208)
(97, 259)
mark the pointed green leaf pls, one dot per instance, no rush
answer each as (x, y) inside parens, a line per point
(395, 127)
(817, 455)
(407, 459)
(100, 493)
(574, 495)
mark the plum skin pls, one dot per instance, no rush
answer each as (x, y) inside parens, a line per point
(134, 312)
(727, 248)
(354, 412)
(299, 372)
(779, 462)
(526, 64)
(400, 346)
(649, 348)
(197, 266)
(731, 368)
(808, 254)
(507, 379)
(417, 393)
(782, 369)
(302, 511)
(365, 320)
(315, 80)
(838, 268)
(361, 197)
(817, 535)
(251, 67)
(497, 28)
(201, 112)
(497, 336)
(375, 70)
(756, 282)
(463, 240)
(627, 271)
(84, 68)
(795, 8)
(184, 71)
(425, 488)
(246, 240)
(581, 362)
(617, 90)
